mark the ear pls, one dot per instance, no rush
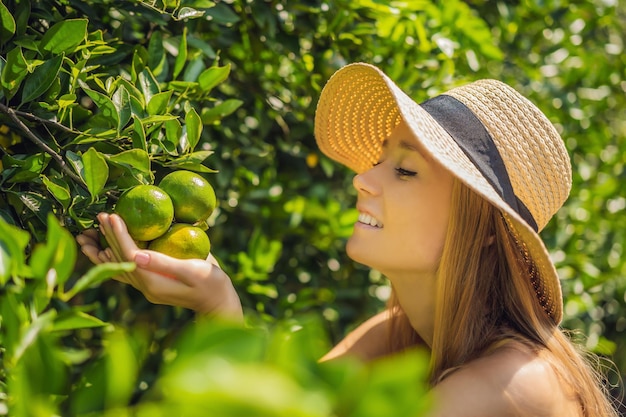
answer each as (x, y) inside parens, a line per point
(490, 240)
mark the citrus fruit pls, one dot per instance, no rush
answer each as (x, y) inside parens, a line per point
(147, 211)
(193, 196)
(183, 241)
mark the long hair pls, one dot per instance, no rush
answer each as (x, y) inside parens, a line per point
(485, 298)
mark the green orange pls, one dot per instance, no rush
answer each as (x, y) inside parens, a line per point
(147, 211)
(192, 195)
(183, 241)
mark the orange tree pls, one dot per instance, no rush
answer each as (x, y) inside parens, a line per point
(99, 96)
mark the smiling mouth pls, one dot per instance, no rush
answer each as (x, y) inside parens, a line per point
(369, 220)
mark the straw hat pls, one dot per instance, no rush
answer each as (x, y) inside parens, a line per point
(485, 133)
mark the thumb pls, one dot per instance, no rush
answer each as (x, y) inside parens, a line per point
(143, 259)
(156, 262)
(165, 265)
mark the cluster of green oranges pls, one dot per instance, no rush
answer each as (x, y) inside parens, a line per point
(166, 217)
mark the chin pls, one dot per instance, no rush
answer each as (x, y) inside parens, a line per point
(358, 253)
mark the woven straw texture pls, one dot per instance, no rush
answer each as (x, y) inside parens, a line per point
(359, 107)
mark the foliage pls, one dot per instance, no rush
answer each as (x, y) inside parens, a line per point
(213, 368)
(98, 96)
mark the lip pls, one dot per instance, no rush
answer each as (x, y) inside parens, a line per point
(359, 225)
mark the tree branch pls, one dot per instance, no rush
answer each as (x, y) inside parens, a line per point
(42, 145)
(42, 120)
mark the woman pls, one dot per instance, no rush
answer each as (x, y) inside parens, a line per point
(452, 194)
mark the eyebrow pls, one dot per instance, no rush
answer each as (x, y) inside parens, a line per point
(405, 144)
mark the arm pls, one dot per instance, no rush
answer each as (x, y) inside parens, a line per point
(200, 285)
(368, 341)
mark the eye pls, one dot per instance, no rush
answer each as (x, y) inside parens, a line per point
(401, 172)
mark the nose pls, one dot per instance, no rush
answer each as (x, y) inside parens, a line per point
(365, 182)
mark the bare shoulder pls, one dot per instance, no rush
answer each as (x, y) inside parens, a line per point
(509, 381)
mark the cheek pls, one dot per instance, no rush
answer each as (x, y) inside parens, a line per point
(427, 231)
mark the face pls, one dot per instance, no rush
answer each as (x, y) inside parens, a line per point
(404, 204)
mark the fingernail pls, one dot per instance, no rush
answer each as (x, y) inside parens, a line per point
(142, 259)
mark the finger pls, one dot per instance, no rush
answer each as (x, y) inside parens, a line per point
(110, 255)
(86, 238)
(92, 253)
(88, 245)
(125, 245)
(183, 270)
(105, 227)
(90, 233)
(104, 257)
(213, 260)
(112, 238)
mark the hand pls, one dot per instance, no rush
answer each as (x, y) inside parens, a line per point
(200, 285)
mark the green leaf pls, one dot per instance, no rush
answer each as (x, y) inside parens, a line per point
(14, 316)
(156, 53)
(121, 101)
(132, 90)
(27, 169)
(121, 370)
(193, 129)
(75, 161)
(58, 252)
(173, 132)
(191, 158)
(66, 100)
(220, 111)
(223, 14)
(96, 275)
(191, 162)
(75, 319)
(59, 190)
(181, 58)
(32, 333)
(136, 158)
(95, 171)
(7, 24)
(182, 86)
(64, 36)
(139, 135)
(148, 84)
(13, 241)
(38, 204)
(41, 79)
(205, 48)
(137, 106)
(138, 63)
(159, 102)
(190, 166)
(13, 72)
(213, 76)
(189, 13)
(106, 107)
(158, 118)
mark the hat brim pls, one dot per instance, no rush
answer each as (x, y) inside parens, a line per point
(359, 107)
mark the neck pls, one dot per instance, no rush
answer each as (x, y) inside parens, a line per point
(416, 296)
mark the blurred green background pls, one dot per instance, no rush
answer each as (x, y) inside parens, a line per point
(284, 209)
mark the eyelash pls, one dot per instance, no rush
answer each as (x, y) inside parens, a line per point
(401, 172)
(405, 173)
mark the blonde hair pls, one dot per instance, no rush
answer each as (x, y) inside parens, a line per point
(485, 297)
